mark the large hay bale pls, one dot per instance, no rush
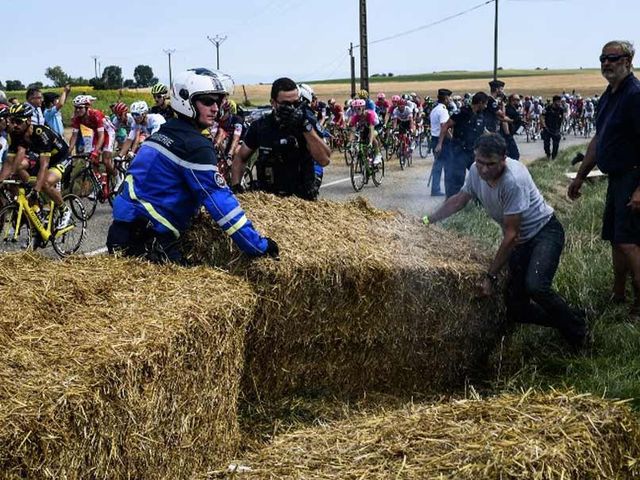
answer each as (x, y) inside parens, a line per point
(361, 299)
(118, 369)
(531, 436)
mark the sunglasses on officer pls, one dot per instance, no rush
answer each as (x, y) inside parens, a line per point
(285, 103)
(612, 58)
(209, 100)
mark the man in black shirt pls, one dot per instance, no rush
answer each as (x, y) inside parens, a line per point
(493, 114)
(512, 127)
(551, 124)
(616, 150)
(287, 142)
(468, 124)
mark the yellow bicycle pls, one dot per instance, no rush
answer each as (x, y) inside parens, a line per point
(27, 226)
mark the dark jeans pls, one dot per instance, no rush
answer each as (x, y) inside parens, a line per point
(455, 169)
(548, 137)
(138, 239)
(438, 164)
(512, 147)
(529, 296)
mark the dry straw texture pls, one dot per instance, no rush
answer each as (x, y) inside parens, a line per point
(361, 299)
(117, 369)
(559, 436)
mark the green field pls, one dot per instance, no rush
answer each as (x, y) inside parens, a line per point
(462, 75)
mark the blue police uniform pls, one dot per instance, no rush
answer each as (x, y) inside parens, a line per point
(171, 177)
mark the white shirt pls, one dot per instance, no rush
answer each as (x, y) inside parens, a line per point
(37, 117)
(438, 116)
(152, 125)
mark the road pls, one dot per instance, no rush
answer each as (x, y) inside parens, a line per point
(405, 191)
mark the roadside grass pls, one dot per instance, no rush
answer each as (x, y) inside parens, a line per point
(460, 75)
(536, 356)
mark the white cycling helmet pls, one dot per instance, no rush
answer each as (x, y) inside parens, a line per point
(306, 92)
(198, 81)
(83, 100)
(139, 108)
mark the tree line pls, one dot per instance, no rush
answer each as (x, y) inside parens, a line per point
(111, 78)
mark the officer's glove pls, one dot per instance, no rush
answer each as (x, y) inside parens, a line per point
(292, 118)
(272, 249)
(237, 188)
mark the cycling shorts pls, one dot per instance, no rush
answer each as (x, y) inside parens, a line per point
(109, 140)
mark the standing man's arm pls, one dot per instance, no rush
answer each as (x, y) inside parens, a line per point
(444, 131)
(238, 164)
(586, 166)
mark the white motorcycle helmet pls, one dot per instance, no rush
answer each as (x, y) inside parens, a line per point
(198, 81)
(306, 92)
(139, 108)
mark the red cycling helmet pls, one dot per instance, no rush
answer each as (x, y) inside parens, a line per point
(381, 96)
(395, 98)
(120, 108)
(402, 102)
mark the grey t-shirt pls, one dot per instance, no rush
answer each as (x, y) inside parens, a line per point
(514, 194)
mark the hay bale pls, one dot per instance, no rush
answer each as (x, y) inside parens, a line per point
(542, 436)
(118, 369)
(361, 299)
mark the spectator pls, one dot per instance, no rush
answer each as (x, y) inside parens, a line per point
(438, 118)
(532, 241)
(53, 103)
(34, 98)
(616, 150)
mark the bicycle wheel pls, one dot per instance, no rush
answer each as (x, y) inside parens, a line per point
(402, 154)
(116, 183)
(358, 171)
(349, 154)
(85, 186)
(68, 240)
(377, 173)
(14, 237)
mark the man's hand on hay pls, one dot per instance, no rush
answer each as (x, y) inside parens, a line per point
(272, 249)
(485, 288)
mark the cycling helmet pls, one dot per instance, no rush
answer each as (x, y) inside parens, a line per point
(402, 102)
(120, 108)
(3, 97)
(381, 96)
(363, 94)
(4, 111)
(139, 108)
(230, 106)
(83, 101)
(198, 81)
(358, 102)
(331, 101)
(21, 110)
(395, 98)
(159, 88)
(306, 92)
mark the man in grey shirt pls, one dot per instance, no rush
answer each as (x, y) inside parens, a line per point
(532, 241)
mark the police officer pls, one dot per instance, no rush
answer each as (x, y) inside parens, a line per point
(439, 116)
(510, 129)
(493, 114)
(287, 142)
(551, 124)
(468, 124)
(174, 173)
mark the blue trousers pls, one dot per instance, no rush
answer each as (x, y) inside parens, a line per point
(455, 169)
(438, 164)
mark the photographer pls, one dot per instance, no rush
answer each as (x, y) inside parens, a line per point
(287, 144)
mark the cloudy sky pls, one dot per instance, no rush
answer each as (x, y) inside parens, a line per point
(306, 39)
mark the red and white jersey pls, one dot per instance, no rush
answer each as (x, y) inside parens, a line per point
(95, 120)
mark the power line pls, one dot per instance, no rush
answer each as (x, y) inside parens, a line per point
(217, 41)
(169, 51)
(429, 25)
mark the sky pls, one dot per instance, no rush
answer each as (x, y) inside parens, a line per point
(304, 39)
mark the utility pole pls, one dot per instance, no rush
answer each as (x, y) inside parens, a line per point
(217, 41)
(495, 44)
(169, 51)
(364, 54)
(95, 65)
(353, 70)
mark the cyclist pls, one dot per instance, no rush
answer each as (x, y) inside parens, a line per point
(175, 173)
(122, 121)
(104, 134)
(162, 106)
(364, 95)
(144, 125)
(403, 121)
(364, 120)
(50, 149)
(382, 107)
(4, 143)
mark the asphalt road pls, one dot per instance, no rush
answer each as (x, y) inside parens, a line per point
(405, 191)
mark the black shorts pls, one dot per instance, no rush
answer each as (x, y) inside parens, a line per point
(619, 223)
